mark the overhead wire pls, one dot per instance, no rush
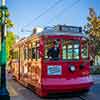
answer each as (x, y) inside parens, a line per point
(44, 12)
(65, 9)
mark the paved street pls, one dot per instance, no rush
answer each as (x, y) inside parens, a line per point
(18, 92)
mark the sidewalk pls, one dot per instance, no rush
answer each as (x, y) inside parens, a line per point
(11, 90)
(18, 92)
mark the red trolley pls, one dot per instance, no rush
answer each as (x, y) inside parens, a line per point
(55, 60)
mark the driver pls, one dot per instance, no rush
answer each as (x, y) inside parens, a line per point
(53, 52)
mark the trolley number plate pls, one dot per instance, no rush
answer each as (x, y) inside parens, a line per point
(54, 70)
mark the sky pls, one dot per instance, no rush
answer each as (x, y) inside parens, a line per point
(24, 13)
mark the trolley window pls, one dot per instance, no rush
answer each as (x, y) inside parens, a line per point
(84, 50)
(29, 53)
(15, 55)
(33, 50)
(70, 50)
(25, 53)
(52, 51)
(36, 50)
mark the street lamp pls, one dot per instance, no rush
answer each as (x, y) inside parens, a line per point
(4, 95)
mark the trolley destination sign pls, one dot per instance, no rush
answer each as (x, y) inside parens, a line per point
(65, 28)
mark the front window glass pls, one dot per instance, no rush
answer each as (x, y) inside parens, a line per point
(76, 51)
(52, 51)
(70, 52)
(70, 49)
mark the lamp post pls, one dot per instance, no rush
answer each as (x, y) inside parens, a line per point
(4, 95)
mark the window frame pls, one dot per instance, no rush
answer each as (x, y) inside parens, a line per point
(72, 43)
(45, 48)
(82, 44)
(36, 50)
(15, 54)
(26, 53)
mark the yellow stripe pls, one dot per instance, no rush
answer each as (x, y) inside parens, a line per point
(12, 91)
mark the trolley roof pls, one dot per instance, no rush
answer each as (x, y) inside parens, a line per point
(58, 30)
(61, 30)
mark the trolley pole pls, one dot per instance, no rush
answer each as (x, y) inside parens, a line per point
(4, 95)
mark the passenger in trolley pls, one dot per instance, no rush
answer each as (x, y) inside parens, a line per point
(53, 52)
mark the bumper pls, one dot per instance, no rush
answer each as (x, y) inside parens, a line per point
(64, 85)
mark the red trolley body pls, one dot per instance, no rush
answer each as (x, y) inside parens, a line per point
(55, 61)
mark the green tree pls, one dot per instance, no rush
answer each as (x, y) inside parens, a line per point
(92, 28)
(10, 39)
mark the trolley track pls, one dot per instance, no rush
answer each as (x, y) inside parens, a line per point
(72, 98)
(68, 96)
(19, 91)
(63, 96)
(82, 98)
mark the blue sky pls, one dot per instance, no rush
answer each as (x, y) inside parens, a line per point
(23, 12)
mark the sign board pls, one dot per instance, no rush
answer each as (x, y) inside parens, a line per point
(65, 28)
(54, 70)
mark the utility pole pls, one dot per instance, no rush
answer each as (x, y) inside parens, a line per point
(4, 95)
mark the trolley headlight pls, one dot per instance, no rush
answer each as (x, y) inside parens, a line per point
(72, 68)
